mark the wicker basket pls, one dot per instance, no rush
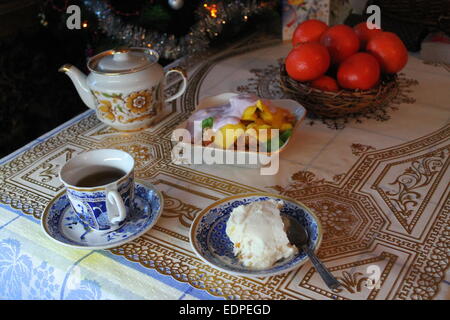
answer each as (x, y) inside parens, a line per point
(327, 104)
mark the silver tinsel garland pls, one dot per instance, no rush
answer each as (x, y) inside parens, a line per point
(213, 16)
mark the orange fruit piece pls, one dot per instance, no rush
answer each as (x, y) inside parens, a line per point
(360, 71)
(341, 41)
(308, 31)
(307, 62)
(325, 83)
(390, 51)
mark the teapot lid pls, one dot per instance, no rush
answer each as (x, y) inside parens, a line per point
(122, 61)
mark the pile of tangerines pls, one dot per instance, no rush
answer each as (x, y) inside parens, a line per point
(332, 58)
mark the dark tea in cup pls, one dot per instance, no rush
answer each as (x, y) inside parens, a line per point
(103, 175)
(100, 187)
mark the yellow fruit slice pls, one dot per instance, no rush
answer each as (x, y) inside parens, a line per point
(267, 116)
(261, 106)
(250, 114)
(285, 126)
(265, 113)
(228, 134)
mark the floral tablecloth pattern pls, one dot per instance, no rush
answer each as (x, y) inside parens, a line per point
(380, 188)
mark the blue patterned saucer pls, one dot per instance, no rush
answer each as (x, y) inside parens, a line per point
(60, 222)
(211, 243)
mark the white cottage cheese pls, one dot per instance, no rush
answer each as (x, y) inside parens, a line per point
(257, 232)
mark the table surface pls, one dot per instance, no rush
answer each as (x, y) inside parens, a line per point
(380, 189)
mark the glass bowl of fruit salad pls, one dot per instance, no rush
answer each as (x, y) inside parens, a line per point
(236, 129)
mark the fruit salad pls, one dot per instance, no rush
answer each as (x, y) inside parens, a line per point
(245, 123)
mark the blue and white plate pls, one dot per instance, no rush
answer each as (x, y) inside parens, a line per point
(60, 222)
(211, 243)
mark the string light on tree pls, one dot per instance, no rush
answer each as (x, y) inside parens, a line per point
(212, 9)
(212, 20)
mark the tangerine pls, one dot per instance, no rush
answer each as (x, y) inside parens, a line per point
(360, 71)
(308, 31)
(307, 62)
(341, 41)
(390, 51)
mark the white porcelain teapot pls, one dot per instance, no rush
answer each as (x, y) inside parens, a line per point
(125, 87)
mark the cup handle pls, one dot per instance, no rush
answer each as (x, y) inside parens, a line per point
(115, 198)
(183, 85)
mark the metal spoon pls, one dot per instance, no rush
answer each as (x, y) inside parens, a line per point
(298, 236)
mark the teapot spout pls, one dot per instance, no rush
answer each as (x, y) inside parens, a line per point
(79, 80)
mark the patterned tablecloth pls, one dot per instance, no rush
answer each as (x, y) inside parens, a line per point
(380, 187)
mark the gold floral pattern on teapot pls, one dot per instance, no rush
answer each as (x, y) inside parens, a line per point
(135, 106)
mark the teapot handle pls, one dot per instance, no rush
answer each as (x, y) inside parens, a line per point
(183, 85)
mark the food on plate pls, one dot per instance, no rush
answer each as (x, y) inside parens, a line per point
(307, 61)
(360, 71)
(341, 41)
(258, 236)
(308, 31)
(365, 31)
(244, 120)
(390, 51)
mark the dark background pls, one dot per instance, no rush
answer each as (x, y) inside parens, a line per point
(34, 96)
